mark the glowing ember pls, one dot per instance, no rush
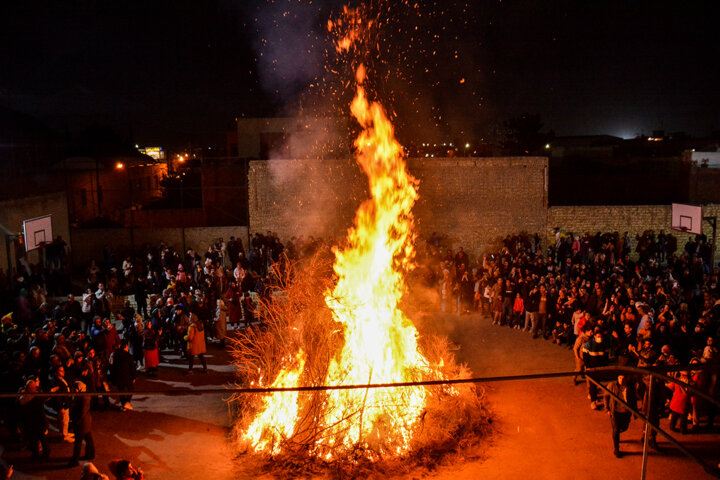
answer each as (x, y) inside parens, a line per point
(380, 342)
(369, 339)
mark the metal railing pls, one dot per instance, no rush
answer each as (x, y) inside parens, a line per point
(656, 373)
(594, 375)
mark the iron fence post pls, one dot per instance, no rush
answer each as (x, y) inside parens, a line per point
(643, 472)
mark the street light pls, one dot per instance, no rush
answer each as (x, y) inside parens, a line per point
(121, 166)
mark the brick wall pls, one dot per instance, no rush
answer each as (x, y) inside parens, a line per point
(634, 219)
(13, 212)
(89, 243)
(474, 202)
(304, 197)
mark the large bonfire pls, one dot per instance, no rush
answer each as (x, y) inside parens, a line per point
(344, 326)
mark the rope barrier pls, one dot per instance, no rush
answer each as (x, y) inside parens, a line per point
(613, 370)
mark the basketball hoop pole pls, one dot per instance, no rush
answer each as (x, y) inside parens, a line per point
(9, 237)
(713, 223)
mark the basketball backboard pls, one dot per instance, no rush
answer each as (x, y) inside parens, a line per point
(687, 218)
(37, 232)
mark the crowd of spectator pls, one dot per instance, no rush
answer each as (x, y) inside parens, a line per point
(154, 303)
(582, 292)
(587, 294)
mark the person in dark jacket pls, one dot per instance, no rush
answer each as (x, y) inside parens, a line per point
(33, 419)
(140, 293)
(82, 424)
(123, 373)
(620, 415)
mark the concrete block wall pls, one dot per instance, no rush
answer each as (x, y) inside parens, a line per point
(473, 202)
(304, 197)
(634, 219)
(14, 212)
(90, 242)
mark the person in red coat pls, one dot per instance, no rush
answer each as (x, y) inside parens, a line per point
(151, 352)
(232, 298)
(679, 403)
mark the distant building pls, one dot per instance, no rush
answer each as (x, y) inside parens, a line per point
(584, 146)
(109, 187)
(157, 153)
(703, 159)
(293, 137)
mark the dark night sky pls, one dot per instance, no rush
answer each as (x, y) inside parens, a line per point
(176, 72)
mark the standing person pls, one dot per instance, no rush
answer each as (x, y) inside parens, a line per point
(532, 305)
(446, 291)
(33, 419)
(680, 403)
(466, 292)
(595, 354)
(135, 340)
(180, 324)
(82, 424)
(151, 352)
(87, 311)
(112, 337)
(59, 384)
(140, 293)
(496, 303)
(518, 310)
(620, 415)
(653, 406)
(123, 371)
(98, 335)
(221, 322)
(540, 328)
(581, 340)
(196, 343)
(232, 295)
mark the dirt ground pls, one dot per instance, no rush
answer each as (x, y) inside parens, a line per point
(544, 429)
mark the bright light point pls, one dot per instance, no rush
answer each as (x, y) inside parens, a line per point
(119, 165)
(467, 145)
(547, 146)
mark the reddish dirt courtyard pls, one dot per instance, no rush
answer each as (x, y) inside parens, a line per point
(542, 429)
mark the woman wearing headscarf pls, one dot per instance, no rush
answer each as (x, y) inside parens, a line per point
(151, 352)
(221, 321)
(196, 343)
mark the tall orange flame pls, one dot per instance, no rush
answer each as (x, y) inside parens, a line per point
(380, 342)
